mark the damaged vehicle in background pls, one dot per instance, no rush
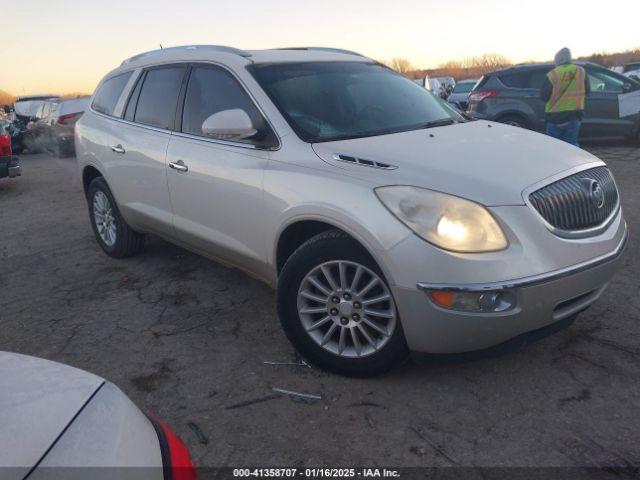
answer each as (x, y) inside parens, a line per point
(60, 422)
(387, 222)
(25, 111)
(55, 124)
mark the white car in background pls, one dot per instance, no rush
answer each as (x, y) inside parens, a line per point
(58, 422)
(448, 83)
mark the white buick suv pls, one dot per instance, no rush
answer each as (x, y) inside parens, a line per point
(389, 224)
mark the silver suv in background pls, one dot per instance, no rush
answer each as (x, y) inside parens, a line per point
(512, 96)
(387, 222)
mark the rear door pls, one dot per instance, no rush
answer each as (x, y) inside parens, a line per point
(601, 117)
(142, 147)
(522, 95)
(136, 148)
(216, 192)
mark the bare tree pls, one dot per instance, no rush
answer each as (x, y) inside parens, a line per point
(6, 98)
(399, 64)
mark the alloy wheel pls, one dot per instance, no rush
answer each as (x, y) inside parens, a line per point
(103, 216)
(346, 308)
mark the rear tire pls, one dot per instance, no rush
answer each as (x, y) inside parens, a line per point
(112, 232)
(514, 121)
(357, 354)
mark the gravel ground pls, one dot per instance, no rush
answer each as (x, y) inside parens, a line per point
(186, 339)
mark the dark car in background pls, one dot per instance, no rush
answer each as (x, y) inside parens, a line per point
(512, 96)
(55, 124)
(460, 95)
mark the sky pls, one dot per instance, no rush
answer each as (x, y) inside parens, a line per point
(67, 46)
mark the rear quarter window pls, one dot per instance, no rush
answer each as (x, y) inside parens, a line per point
(107, 97)
(516, 80)
(528, 79)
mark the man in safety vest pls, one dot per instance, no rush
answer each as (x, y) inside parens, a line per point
(564, 90)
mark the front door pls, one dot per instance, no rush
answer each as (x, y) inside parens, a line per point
(216, 185)
(601, 116)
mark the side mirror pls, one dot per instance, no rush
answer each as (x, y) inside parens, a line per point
(626, 87)
(229, 125)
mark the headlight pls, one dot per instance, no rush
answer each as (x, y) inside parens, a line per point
(449, 222)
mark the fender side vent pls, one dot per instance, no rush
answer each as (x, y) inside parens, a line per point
(364, 162)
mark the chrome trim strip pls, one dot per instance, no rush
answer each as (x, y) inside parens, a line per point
(250, 146)
(533, 280)
(185, 135)
(134, 124)
(572, 234)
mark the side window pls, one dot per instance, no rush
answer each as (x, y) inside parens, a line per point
(107, 97)
(158, 97)
(516, 80)
(212, 90)
(600, 81)
(536, 79)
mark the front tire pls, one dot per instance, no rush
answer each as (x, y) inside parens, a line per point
(337, 309)
(112, 232)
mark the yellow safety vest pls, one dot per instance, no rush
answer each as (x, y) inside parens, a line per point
(568, 90)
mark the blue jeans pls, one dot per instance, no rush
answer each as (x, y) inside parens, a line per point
(567, 132)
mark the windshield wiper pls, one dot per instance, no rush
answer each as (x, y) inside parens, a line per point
(439, 123)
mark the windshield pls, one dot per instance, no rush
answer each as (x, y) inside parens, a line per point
(463, 87)
(325, 101)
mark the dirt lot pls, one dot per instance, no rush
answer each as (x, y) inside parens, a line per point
(186, 339)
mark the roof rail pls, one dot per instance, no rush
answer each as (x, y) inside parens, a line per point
(164, 51)
(325, 49)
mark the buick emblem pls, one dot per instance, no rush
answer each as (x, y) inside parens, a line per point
(596, 194)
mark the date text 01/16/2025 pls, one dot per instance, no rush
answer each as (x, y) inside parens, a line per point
(316, 473)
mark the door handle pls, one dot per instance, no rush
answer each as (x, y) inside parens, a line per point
(179, 166)
(118, 149)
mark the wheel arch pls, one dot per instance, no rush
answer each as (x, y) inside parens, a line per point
(526, 120)
(89, 173)
(298, 230)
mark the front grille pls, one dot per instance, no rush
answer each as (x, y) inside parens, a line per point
(574, 203)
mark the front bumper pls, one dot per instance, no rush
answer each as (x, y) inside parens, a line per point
(542, 300)
(10, 167)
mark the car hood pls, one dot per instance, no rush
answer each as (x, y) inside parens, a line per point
(487, 162)
(38, 400)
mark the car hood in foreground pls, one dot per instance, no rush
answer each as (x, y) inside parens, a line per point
(489, 163)
(38, 400)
